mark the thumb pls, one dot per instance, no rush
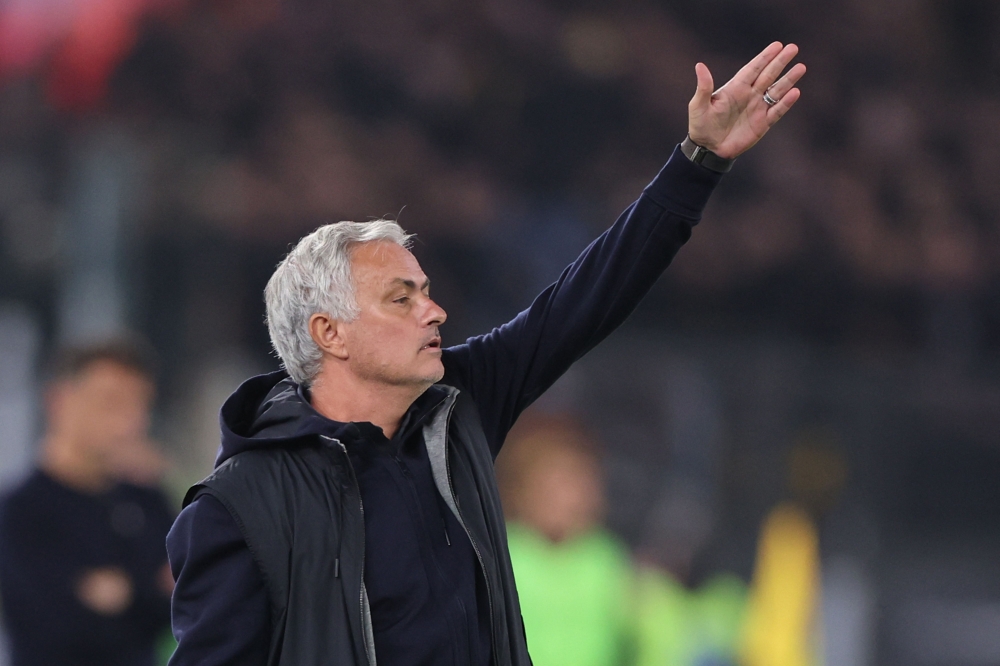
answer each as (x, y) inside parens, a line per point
(703, 94)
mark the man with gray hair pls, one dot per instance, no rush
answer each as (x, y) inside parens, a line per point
(353, 514)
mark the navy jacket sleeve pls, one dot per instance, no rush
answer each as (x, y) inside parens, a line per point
(220, 609)
(510, 367)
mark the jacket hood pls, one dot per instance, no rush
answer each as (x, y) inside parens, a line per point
(268, 411)
(273, 411)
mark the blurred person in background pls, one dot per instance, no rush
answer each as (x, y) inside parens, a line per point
(685, 614)
(574, 578)
(83, 572)
(354, 510)
(783, 625)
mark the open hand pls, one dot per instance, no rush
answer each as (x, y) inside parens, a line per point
(735, 117)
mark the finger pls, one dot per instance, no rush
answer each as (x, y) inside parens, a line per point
(750, 71)
(703, 94)
(775, 113)
(773, 69)
(780, 88)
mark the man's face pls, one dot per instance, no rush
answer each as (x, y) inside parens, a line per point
(395, 339)
(562, 494)
(105, 409)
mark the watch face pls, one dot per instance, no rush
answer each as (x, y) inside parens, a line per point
(704, 157)
(691, 150)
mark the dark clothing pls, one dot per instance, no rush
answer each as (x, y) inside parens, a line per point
(495, 377)
(221, 613)
(49, 536)
(406, 517)
(415, 616)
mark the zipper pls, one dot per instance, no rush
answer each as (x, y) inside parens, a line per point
(461, 521)
(361, 506)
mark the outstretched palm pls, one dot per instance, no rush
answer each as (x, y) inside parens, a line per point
(735, 117)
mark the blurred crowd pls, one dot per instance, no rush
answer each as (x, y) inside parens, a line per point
(157, 158)
(587, 600)
(533, 123)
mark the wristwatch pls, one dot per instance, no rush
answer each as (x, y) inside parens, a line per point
(705, 157)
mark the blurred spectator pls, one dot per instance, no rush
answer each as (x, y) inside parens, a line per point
(680, 626)
(573, 576)
(83, 570)
(685, 617)
(781, 623)
(783, 627)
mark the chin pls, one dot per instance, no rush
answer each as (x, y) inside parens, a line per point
(436, 375)
(424, 378)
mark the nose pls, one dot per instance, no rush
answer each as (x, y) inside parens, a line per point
(435, 314)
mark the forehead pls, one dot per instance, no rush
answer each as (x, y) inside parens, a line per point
(379, 263)
(109, 376)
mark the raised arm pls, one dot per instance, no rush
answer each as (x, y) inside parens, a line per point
(508, 368)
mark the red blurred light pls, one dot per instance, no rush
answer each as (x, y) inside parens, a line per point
(77, 43)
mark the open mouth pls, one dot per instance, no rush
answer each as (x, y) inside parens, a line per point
(433, 344)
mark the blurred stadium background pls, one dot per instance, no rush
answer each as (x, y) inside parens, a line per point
(157, 158)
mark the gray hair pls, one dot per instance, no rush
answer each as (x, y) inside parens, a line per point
(316, 277)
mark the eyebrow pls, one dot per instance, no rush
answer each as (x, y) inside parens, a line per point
(410, 284)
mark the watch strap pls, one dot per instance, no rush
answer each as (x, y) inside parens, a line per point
(705, 157)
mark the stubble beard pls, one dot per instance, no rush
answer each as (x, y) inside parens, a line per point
(395, 377)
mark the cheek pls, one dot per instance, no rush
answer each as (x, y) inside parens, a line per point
(76, 414)
(115, 417)
(131, 419)
(375, 345)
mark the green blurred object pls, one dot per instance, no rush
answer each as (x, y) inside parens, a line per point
(681, 627)
(574, 596)
(165, 647)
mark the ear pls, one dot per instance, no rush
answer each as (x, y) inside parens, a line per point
(328, 334)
